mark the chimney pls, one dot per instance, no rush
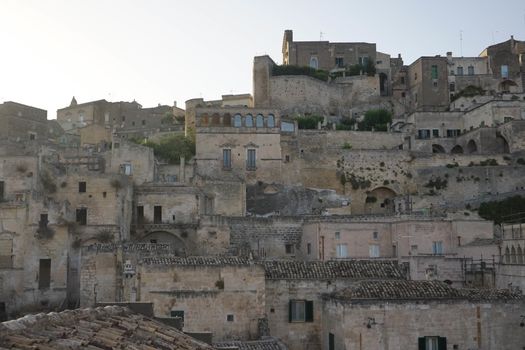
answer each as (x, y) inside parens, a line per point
(174, 103)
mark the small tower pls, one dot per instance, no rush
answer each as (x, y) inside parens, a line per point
(73, 102)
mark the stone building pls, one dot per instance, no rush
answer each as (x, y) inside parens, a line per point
(128, 119)
(506, 62)
(326, 55)
(19, 122)
(421, 315)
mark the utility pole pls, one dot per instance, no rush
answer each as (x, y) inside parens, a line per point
(461, 43)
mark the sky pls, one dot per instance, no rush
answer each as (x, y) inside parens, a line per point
(161, 51)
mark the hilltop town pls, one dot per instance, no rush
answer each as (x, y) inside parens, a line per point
(350, 201)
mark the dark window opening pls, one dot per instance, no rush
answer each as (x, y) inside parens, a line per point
(157, 214)
(289, 248)
(32, 136)
(43, 221)
(432, 343)
(82, 186)
(2, 189)
(178, 314)
(140, 214)
(229, 318)
(82, 216)
(153, 241)
(143, 122)
(301, 311)
(287, 158)
(331, 341)
(434, 72)
(3, 312)
(44, 274)
(250, 160)
(309, 248)
(227, 158)
(339, 62)
(104, 194)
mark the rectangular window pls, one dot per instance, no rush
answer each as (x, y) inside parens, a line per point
(126, 169)
(301, 311)
(82, 216)
(230, 318)
(339, 62)
(2, 190)
(227, 158)
(505, 71)
(6, 253)
(435, 133)
(250, 159)
(157, 214)
(82, 187)
(337, 235)
(308, 248)
(432, 343)
(342, 251)
(288, 248)
(452, 87)
(403, 80)
(373, 250)
(44, 274)
(460, 70)
(453, 132)
(434, 72)
(437, 247)
(140, 214)
(423, 134)
(143, 122)
(470, 70)
(32, 136)
(178, 314)
(375, 235)
(331, 341)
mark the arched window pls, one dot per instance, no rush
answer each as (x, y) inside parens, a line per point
(259, 121)
(507, 255)
(270, 121)
(227, 120)
(314, 63)
(520, 255)
(237, 121)
(248, 121)
(512, 255)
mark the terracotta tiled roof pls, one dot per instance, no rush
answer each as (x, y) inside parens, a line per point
(110, 327)
(362, 269)
(264, 344)
(418, 290)
(197, 260)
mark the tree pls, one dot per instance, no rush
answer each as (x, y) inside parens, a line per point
(376, 119)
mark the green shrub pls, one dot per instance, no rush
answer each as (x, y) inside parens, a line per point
(437, 183)
(298, 70)
(346, 124)
(498, 210)
(377, 119)
(309, 122)
(347, 145)
(171, 148)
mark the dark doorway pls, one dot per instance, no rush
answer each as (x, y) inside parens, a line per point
(44, 274)
(82, 216)
(3, 312)
(157, 214)
(140, 214)
(331, 341)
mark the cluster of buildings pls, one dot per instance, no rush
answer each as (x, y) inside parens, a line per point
(272, 236)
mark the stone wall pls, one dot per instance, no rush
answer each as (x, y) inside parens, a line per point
(467, 325)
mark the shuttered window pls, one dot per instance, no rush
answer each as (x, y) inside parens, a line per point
(301, 311)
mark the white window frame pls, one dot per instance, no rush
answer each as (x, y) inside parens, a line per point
(374, 251)
(342, 250)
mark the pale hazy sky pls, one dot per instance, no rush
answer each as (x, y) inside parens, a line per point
(158, 51)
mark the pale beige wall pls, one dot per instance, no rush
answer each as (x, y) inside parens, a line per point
(398, 325)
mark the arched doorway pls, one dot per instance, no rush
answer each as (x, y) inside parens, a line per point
(503, 145)
(437, 149)
(380, 201)
(457, 149)
(472, 147)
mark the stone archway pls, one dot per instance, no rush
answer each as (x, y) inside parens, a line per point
(380, 201)
(507, 85)
(457, 149)
(503, 145)
(172, 238)
(472, 147)
(438, 149)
